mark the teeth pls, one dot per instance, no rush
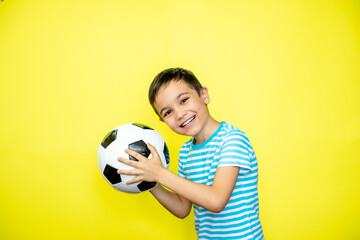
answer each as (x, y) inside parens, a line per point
(187, 122)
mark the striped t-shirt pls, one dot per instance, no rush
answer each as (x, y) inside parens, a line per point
(228, 146)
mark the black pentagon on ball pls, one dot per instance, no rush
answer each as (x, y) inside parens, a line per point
(111, 174)
(109, 138)
(144, 186)
(140, 147)
(166, 154)
(143, 126)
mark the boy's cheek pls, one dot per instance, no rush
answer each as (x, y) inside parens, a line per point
(169, 123)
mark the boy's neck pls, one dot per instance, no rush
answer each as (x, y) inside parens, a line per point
(209, 129)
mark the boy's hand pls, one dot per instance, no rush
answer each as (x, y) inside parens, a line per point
(146, 169)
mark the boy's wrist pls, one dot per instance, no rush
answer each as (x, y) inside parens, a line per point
(161, 175)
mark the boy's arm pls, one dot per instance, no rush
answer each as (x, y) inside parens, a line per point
(214, 198)
(174, 203)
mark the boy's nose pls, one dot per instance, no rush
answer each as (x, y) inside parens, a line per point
(181, 114)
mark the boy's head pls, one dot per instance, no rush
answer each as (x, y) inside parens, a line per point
(181, 102)
(172, 74)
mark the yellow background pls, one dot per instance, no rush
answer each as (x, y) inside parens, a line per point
(285, 72)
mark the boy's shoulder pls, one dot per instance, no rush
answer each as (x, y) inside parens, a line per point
(229, 129)
(232, 133)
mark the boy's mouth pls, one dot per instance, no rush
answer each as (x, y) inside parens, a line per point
(187, 122)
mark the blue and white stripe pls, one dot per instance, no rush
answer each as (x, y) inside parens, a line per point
(228, 146)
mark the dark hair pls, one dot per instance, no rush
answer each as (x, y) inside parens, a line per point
(172, 74)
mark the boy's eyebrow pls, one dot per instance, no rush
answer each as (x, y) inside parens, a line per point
(179, 96)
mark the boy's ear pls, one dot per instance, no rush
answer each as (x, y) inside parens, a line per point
(205, 95)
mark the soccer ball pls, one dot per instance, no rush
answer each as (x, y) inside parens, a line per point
(132, 136)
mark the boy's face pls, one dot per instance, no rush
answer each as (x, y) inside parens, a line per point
(182, 109)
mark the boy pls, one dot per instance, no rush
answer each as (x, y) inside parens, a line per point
(217, 170)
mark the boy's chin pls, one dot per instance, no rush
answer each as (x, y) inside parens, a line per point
(184, 133)
(187, 132)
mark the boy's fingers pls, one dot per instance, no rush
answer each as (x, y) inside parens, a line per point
(130, 172)
(127, 162)
(133, 180)
(136, 155)
(126, 172)
(152, 149)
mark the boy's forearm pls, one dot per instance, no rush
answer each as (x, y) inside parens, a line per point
(196, 194)
(213, 198)
(174, 203)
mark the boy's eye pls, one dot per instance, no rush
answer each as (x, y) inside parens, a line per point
(167, 113)
(184, 100)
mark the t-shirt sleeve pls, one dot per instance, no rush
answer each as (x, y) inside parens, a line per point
(236, 151)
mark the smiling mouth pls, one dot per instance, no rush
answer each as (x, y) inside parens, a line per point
(188, 122)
